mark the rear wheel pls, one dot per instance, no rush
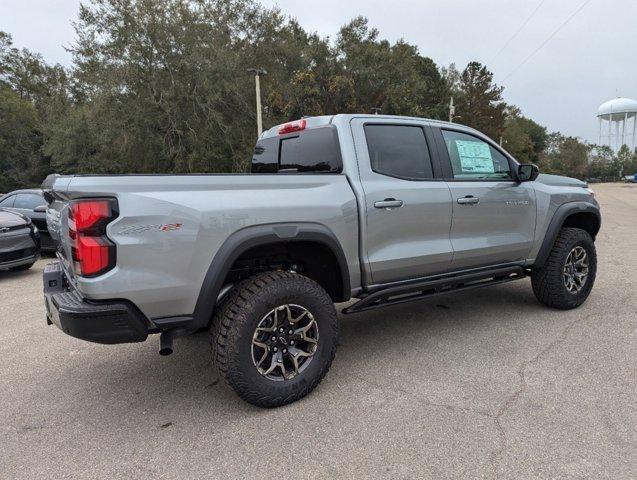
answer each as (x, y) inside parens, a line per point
(274, 338)
(566, 279)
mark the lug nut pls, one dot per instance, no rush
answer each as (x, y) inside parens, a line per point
(281, 329)
(275, 349)
(285, 350)
(291, 342)
(274, 339)
(290, 332)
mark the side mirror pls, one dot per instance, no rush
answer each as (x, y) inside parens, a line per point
(40, 209)
(527, 172)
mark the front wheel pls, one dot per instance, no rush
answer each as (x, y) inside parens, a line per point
(567, 277)
(274, 338)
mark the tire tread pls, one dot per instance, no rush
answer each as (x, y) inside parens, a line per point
(547, 281)
(230, 318)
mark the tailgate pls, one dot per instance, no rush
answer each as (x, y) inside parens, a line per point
(53, 219)
(55, 187)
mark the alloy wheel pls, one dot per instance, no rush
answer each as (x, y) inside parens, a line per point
(284, 342)
(575, 271)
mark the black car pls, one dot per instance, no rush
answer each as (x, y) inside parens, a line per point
(19, 241)
(32, 204)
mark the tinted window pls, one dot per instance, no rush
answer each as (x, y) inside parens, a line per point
(7, 202)
(472, 158)
(399, 151)
(314, 150)
(265, 158)
(28, 201)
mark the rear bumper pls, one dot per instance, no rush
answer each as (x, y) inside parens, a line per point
(110, 322)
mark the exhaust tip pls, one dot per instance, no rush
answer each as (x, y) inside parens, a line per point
(164, 352)
(166, 343)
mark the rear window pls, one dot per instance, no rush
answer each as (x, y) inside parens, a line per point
(314, 150)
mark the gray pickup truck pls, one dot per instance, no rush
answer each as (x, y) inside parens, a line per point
(370, 210)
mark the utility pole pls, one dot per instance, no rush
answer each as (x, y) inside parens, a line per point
(257, 72)
(452, 110)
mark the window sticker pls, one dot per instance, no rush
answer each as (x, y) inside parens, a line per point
(475, 157)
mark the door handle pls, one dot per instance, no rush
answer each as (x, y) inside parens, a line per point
(468, 200)
(389, 203)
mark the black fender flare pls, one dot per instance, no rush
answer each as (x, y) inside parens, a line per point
(553, 230)
(250, 237)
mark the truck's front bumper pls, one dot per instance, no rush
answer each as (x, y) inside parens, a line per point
(110, 322)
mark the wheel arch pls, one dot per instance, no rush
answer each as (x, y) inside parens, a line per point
(249, 238)
(582, 215)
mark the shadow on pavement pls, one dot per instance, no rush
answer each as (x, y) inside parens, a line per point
(138, 373)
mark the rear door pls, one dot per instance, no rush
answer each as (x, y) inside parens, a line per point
(407, 204)
(493, 214)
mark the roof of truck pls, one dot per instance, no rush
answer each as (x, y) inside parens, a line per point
(318, 121)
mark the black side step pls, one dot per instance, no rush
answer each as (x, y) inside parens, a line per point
(438, 286)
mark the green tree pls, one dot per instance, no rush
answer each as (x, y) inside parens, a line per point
(522, 137)
(478, 100)
(168, 87)
(161, 86)
(565, 156)
(631, 166)
(20, 140)
(622, 161)
(395, 79)
(34, 96)
(600, 165)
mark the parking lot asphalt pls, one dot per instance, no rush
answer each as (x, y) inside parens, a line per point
(483, 384)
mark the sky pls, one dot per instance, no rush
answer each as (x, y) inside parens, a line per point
(558, 73)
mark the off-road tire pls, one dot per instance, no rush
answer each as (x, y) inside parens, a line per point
(547, 281)
(22, 268)
(236, 320)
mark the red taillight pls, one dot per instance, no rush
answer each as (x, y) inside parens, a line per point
(88, 214)
(293, 127)
(93, 252)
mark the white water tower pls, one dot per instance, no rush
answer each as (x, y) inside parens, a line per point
(618, 123)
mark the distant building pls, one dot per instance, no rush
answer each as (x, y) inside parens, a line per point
(618, 123)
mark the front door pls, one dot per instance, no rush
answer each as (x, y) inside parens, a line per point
(26, 203)
(493, 214)
(408, 209)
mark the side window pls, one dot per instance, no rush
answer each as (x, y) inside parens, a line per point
(8, 202)
(474, 159)
(399, 151)
(28, 201)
